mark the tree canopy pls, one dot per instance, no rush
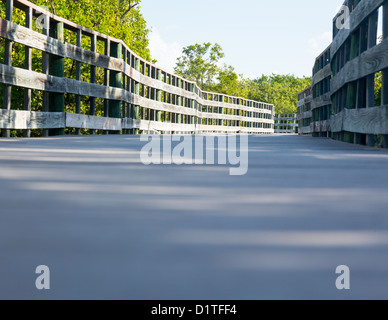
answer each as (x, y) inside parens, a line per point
(199, 63)
(121, 19)
(107, 17)
(280, 90)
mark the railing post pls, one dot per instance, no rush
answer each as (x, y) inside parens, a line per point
(45, 70)
(179, 102)
(78, 78)
(384, 88)
(136, 108)
(57, 69)
(115, 81)
(92, 106)
(159, 97)
(127, 62)
(28, 66)
(124, 81)
(106, 81)
(7, 61)
(370, 86)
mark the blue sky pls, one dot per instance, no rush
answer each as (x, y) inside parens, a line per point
(258, 37)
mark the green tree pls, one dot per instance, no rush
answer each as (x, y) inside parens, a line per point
(199, 63)
(107, 17)
(280, 90)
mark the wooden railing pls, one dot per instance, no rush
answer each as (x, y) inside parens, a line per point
(321, 107)
(352, 109)
(137, 95)
(304, 111)
(286, 123)
(356, 57)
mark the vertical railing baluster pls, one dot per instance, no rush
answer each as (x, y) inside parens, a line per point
(384, 88)
(28, 66)
(57, 69)
(370, 94)
(45, 70)
(106, 81)
(78, 72)
(7, 61)
(93, 48)
(115, 81)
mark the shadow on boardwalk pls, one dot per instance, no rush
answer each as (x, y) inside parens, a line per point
(110, 227)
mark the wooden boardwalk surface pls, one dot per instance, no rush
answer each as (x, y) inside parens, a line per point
(110, 227)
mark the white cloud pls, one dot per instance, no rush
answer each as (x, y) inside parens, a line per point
(166, 53)
(320, 43)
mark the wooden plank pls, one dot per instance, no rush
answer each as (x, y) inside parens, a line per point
(211, 128)
(367, 121)
(12, 119)
(82, 121)
(161, 126)
(321, 75)
(321, 101)
(368, 63)
(162, 106)
(305, 130)
(307, 114)
(232, 117)
(38, 81)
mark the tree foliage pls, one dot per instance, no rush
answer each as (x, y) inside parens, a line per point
(280, 90)
(106, 16)
(199, 63)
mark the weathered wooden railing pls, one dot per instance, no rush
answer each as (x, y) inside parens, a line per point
(358, 110)
(321, 101)
(356, 58)
(137, 94)
(304, 111)
(286, 123)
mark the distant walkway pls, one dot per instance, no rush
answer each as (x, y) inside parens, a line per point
(110, 227)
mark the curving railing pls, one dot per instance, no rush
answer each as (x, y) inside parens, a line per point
(358, 57)
(347, 101)
(321, 106)
(304, 116)
(137, 95)
(286, 123)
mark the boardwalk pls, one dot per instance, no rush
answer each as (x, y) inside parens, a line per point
(110, 227)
